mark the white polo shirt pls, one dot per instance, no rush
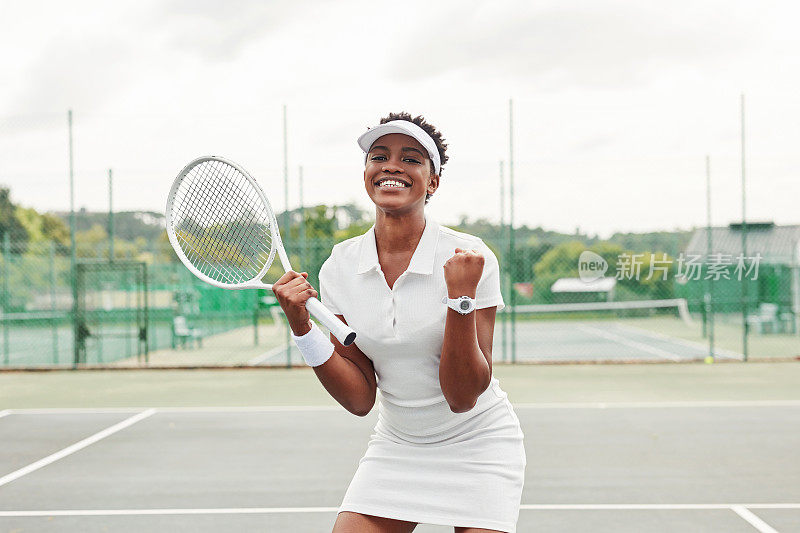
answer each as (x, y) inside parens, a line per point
(402, 329)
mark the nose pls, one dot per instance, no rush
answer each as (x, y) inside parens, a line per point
(391, 167)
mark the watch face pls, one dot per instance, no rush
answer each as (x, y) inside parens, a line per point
(464, 305)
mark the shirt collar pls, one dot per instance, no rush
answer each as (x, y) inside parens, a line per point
(421, 261)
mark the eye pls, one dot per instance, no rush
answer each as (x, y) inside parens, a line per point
(377, 158)
(412, 160)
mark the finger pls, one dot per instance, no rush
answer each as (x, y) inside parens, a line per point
(287, 276)
(301, 297)
(287, 290)
(296, 283)
(281, 281)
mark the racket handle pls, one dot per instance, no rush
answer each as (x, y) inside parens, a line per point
(340, 330)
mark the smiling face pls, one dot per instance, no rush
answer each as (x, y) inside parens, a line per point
(399, 174)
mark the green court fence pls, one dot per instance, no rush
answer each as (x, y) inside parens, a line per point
(572, 301)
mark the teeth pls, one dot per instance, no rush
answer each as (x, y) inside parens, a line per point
(391, 183)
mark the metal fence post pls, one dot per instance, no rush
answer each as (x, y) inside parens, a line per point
(504, 271)
(6, 299)
(110, 217)
(709, 303)
(54, 320)
(511, 253)
(745, 296)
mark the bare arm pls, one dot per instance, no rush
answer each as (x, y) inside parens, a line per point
(465, 367)
(348, 375)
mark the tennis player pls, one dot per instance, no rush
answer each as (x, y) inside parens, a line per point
(422, 298)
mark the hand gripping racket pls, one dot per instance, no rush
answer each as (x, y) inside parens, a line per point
(223, 229)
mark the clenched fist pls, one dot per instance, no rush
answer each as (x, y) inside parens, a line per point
(462, 272)
(292, 292)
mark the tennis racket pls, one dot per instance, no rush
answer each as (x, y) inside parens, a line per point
(223, 229)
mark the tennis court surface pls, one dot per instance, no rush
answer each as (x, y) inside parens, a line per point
(650, 447)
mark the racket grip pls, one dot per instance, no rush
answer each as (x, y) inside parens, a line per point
(340, 330)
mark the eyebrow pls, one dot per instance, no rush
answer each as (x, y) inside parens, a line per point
(404, 149)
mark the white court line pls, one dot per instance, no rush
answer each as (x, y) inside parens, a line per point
(633, 344)
(75, 410)
(269, 354)
(75, 447)
(117, 512)
(200, 409)
(253, 409)
(278, 350)
(650, 405)
(329, 408)
(771, 505)
(753, 520)
(302, 510)
(5, 412)
(654, 506)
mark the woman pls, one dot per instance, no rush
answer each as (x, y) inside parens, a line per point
(447, 447)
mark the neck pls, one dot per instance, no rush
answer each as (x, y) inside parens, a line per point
(398, 233)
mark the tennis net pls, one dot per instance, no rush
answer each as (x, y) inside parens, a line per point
(676, 307)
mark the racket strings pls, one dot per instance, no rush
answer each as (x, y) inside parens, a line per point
(239, 204)
(221, 254)
(222, 223)
(228, 199)
(198, 256)
(198, 187)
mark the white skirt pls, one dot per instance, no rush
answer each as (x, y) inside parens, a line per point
(471, 479)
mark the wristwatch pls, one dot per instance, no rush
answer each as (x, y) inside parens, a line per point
(463, 304)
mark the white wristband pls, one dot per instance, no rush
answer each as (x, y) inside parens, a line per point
(315, 347)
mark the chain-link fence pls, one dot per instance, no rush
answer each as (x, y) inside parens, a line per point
(576, 300)
(129, 312)
(735, 296)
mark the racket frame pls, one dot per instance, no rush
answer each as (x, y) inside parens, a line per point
(340, 330)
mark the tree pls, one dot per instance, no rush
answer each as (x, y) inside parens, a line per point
(9, 223)
(43, 228)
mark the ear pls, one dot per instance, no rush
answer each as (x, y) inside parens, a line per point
(433, 183)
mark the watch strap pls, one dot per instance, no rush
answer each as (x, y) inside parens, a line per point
(463, 304)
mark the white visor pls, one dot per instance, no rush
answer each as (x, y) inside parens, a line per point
(405, 127)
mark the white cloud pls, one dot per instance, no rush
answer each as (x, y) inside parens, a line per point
(216, 31)
(74, 71)
(616, 103)
(585, 44)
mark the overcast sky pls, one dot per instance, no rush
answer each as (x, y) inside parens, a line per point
(616, 103)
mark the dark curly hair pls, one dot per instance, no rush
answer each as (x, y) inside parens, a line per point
(430, 129)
